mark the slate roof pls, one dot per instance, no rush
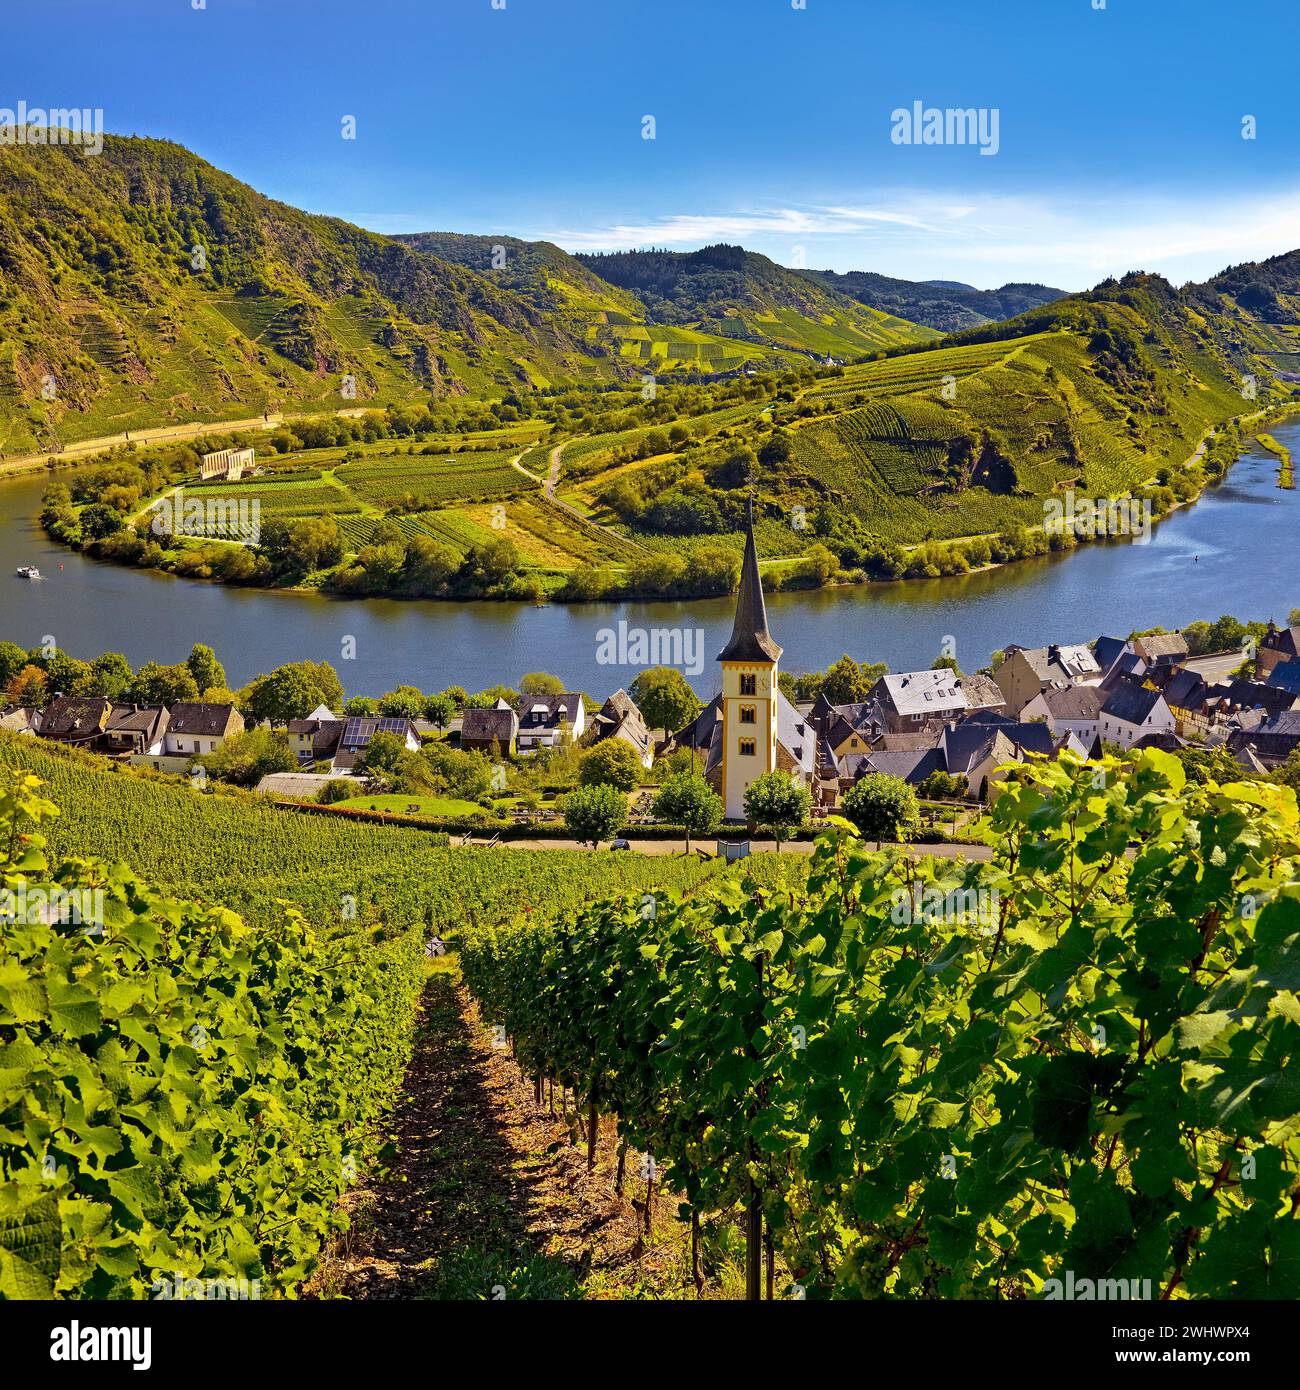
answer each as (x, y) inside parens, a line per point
(546, 711)
(1255, 695)
(69, 718)
(1185, 690)
(1286, 676)
(496, 725)
(1057, 662)
(1163, 646)
(911, 767)
(1131, 703)
(923, 692)
(1073, 701)
(1108, 651)
(982, 692)
(150, 722)
(205, 720)
(619, 717)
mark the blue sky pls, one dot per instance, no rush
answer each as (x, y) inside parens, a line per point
(1119, 128)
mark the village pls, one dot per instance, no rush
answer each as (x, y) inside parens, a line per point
(948, 736)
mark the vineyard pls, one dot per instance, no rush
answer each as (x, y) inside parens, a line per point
(244, 854)
(182, 1097)
(927, 1080)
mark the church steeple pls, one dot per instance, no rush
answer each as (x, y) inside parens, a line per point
(750, 639)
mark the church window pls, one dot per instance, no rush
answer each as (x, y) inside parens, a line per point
(748, 714)
(749, 685)
(747, 747)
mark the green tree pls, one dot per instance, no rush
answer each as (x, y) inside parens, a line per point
(406, 702)
(664, 698)
(361, 707)
(111, 676)
(208, 672)
(541, 683)
(592, 814)
(687, 800)
(381, 759)
(163, 685)
(287, 693)
(439, 710)
(68, 676)
(777, 802)
(459, 772)
(244, 759)
(882, 808)
(12, 660)
(613, 763)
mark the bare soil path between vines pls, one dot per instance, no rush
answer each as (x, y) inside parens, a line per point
(487, 1197)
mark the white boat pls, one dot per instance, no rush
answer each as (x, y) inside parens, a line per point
(28, 572)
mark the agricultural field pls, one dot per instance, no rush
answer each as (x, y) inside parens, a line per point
(241, 852)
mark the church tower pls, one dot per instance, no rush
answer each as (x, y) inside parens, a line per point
(749, 690)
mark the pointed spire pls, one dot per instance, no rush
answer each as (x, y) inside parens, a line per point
(750, 639)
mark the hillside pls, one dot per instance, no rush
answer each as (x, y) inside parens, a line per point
(742, 295)
(946, 305)
(151, 287)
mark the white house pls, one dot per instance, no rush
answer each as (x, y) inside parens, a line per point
(550, 721)
(1076, 709)
(1133, 711)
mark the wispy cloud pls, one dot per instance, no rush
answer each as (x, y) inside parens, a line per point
(1066, 241)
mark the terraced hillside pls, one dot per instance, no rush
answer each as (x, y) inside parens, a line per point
(738, 295)
(146, 287)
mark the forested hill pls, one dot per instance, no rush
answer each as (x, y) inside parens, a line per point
(946, 305)
(740, 293)
(149, 286)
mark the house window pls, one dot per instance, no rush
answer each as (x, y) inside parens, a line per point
(747, 746)
(748, 714)
(749, 685)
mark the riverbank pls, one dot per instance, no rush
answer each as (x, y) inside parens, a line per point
(1230, 552)
(222, 561)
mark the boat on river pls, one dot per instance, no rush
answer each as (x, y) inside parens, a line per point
(27, 572)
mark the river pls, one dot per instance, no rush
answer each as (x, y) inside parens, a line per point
(1235, 551)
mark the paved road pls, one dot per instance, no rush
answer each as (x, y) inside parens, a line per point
(668, 847)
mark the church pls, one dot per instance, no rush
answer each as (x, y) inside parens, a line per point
(751, 727)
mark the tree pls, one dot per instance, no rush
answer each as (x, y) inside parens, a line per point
(380, 760)
(1293, 618)
(613, 763)
(848, 683)
(163, 685)
(208, 672)
(942, 786)
(439, 710)
(292, 692)
(882, 808)
(776, 802)
(12, 660)
(593, 814)
(406, 702)
(68, 676)
(541, 683)
(687, 800)
(111, 676)
(361, 707)
(244, 759)
(458, 772)
(664, 698)
(29, 688)
(335, 790)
